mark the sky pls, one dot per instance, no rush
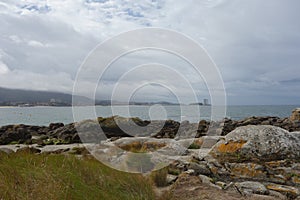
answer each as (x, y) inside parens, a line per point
(255, 45)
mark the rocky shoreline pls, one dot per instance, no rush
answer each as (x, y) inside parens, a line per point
(59, 133)
(257, 156)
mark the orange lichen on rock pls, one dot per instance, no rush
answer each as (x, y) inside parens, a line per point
(152, 146)
(276, 163)
(231, 147)
(249, 170)
(137, 146)
(284, 189)
(296, 180)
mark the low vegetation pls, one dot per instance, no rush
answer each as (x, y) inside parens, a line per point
(30, 176)
(159, 177)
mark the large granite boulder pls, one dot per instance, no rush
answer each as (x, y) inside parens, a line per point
(250, 187)
(258, 143)
(263, 153)
(138, 154)
(141, 144)
(117, 126)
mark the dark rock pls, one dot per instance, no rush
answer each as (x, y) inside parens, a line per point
(169, 130)
(14, 133)
(59, 151)
(66, 134)
(199, 168)
(121, 127)
(117, 127)
(54, 126)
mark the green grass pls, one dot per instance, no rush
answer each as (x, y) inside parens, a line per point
(30, 176)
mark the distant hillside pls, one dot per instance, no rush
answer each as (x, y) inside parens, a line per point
(20, 97)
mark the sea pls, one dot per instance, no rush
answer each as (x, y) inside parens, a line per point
(43, 116)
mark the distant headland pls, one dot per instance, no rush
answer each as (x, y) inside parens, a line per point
(31, 98)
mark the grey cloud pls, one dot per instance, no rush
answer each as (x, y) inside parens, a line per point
(256, 44)
(42, 45)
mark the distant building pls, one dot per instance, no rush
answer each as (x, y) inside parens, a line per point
(205, 102)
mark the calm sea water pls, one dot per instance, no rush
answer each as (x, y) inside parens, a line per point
(46, 115)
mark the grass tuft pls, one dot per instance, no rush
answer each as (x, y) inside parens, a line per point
(159, 177)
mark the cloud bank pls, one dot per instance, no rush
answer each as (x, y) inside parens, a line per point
(255, 44)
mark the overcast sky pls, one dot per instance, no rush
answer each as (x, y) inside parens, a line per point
(254, 43)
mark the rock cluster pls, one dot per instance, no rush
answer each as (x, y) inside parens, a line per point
(285, 123)
(259, 160)
(116, 127)
(254, 156)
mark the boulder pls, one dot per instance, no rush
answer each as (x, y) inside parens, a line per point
(14, 133)
(66, 134)
(191, 143)
(170, 179)
(165, 129)
(54, 126)
(258, 143)
(251, 187)
(89, 131)
(210, 141)
(203, 126)
(295, 115)
(117, 126)
(289, 191)
(260, 153)
(187, 130)
(141, 144)
(209, 181)
(205, 179)
(199, 168)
